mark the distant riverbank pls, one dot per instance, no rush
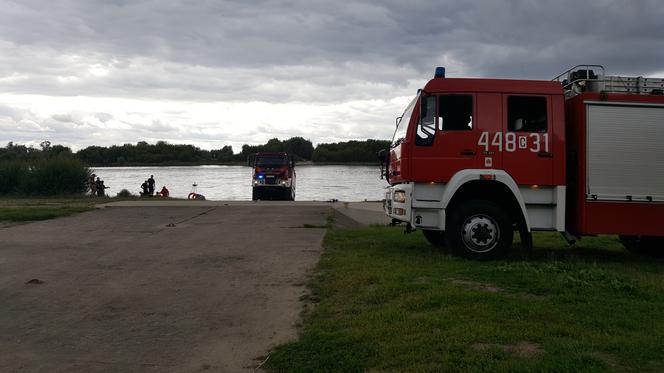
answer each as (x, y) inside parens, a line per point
(165, 154)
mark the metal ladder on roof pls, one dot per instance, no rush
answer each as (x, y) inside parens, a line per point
(637, 85)
(592, 78)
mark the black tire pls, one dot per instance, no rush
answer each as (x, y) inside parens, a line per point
(435, 238)
(288, 194)
(479, 230)
(255, 194)
(643, 245)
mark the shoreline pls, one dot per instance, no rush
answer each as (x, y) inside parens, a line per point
(177, 164)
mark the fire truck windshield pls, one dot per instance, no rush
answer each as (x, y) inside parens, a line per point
(271, 161)
(402, 126)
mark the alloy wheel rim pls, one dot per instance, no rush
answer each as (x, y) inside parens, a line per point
(480, 233)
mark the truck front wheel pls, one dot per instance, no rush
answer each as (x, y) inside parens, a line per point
(479, 230)
(289, 194)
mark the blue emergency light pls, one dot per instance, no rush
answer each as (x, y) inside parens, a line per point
(440, 72)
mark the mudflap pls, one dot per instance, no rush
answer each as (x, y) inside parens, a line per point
(526, 239)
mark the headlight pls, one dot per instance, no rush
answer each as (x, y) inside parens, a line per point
(399, 196)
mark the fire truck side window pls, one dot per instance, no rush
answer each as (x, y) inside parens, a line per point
(526, 114)
(456, 112)
(426, 128)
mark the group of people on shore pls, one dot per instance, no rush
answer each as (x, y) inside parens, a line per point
(96, 187)
(147, 189)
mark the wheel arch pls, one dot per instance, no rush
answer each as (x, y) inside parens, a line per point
(499, 188)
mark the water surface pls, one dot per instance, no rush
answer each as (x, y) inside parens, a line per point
(314, 183)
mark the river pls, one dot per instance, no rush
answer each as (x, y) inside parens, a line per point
(233, 183)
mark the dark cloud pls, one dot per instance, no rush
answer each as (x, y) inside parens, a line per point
(220, 46)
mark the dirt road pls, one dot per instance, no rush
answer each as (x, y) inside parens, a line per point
(157, 289)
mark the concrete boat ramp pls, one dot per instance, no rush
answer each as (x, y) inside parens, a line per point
(355, 214)
(161, 286)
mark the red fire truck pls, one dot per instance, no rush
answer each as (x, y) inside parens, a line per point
(472, 160)
(273, 176)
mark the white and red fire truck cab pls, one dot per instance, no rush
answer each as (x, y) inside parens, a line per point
(473, 159)
(273, 176)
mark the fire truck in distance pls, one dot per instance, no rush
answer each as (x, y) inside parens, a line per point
(273, 176)
(473, 160)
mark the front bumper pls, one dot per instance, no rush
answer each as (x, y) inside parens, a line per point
(269, 182)
(419, 204)
(398, 208)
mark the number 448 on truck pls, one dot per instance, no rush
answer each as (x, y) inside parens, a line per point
(473, 160)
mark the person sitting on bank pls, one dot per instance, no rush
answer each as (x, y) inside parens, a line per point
(164, 192)
(144, 187)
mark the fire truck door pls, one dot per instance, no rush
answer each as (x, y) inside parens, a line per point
(526, 142)
(489, 121)
(454, 146)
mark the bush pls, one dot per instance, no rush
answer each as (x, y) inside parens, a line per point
(45, 177)
(10, 175)
(124, 193)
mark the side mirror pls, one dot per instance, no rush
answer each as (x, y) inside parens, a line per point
(383, 157)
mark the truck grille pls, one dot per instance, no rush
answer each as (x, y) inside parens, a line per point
(388, 205)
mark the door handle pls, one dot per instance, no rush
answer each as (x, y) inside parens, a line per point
(468, 152)
(545, 155)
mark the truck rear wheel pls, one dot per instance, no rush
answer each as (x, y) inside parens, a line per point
(480, 230)
(255, 194)
(643, 245)
(435, 238)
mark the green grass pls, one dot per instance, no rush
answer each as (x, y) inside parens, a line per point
(43, 208)
(39, 213)
(385, 301)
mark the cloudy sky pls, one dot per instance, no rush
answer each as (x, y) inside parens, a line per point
(215, 73)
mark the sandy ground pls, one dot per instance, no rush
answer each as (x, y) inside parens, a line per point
(156, 289)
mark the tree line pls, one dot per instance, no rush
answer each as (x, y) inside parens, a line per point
(163, 153)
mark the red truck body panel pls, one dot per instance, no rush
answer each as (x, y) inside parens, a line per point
(284, 171)
(588, 217)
